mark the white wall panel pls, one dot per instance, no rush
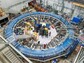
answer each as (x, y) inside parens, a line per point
(12, 5)
(7, 3)
(68, 4)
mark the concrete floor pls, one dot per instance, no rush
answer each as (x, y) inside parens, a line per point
(70, 59)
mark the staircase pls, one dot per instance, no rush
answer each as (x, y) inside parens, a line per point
(11, 56)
